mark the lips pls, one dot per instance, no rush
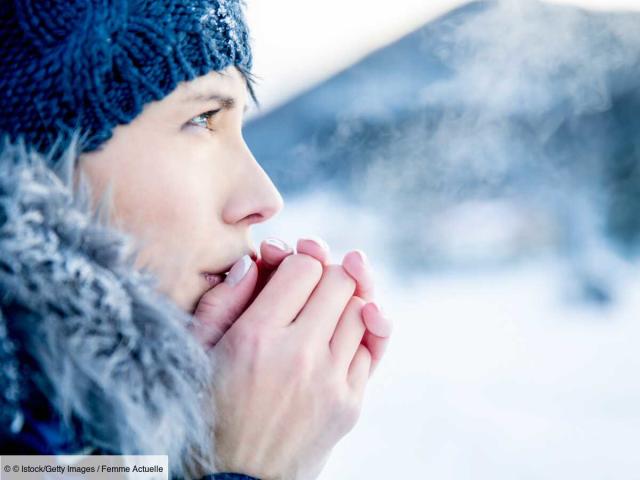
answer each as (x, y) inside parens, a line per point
(216, 278)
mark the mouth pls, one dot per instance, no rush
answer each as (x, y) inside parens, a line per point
(216, 278)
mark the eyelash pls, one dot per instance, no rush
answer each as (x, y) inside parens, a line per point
(208, 114)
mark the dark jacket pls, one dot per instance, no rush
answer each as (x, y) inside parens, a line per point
(93, 359)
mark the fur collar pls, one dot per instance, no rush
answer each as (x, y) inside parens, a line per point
(107, 349)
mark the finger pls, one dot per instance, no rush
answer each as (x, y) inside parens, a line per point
(359, 371)
(273, 251)
(264, 274)
(322, 311)
(379, 329)
(220, 306)
(315, 247)
(376, 346)
(376, 321)
(349, 333)
(283, 297)
(357, 265)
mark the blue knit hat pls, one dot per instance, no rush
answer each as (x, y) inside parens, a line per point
(90, 65)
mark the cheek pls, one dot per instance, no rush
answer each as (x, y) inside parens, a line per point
(157, 201)
(169, 199)
(179, 225)
(171, 211)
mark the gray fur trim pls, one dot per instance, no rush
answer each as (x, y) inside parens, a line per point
(110, 350)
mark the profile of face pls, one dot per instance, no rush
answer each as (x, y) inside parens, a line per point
(184, 183)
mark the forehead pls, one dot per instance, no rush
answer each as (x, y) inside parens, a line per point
(228, 82)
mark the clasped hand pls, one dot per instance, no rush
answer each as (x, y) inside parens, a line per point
(296, 341)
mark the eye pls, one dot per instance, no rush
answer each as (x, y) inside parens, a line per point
(205, 119)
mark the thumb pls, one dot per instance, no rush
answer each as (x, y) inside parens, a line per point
(219, 307)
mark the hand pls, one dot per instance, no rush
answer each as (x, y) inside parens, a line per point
(291, 372)
(223, 304)
(220, 306)
(273, 252)
(379, 327)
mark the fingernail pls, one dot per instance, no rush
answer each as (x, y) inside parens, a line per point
(363, 257)
(238, 271)
(377, 306)
(314, 238)
(279, 244)
(384, 328)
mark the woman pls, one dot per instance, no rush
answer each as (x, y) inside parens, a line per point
(126, 195)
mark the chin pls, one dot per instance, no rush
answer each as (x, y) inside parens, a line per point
(191, 303)
(188, 299)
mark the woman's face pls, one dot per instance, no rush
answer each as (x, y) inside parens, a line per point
(185, 184)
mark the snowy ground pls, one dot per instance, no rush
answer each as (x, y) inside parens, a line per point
(490, 374)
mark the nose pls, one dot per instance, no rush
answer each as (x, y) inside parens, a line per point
(255, 198)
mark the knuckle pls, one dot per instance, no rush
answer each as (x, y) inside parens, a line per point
(210, 304)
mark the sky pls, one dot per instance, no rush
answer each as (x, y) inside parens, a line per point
(300, 43)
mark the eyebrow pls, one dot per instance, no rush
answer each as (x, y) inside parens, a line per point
(227, 102)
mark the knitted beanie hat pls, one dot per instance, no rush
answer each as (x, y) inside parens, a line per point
(90, 65)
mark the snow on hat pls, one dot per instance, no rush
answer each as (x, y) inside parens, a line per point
(90, 65)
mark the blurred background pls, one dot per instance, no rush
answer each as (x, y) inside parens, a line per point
(486, 157)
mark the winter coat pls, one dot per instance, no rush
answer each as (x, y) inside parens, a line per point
(93, 359)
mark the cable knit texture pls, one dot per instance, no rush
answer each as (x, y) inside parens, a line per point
(85, 333)
(91, 65)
